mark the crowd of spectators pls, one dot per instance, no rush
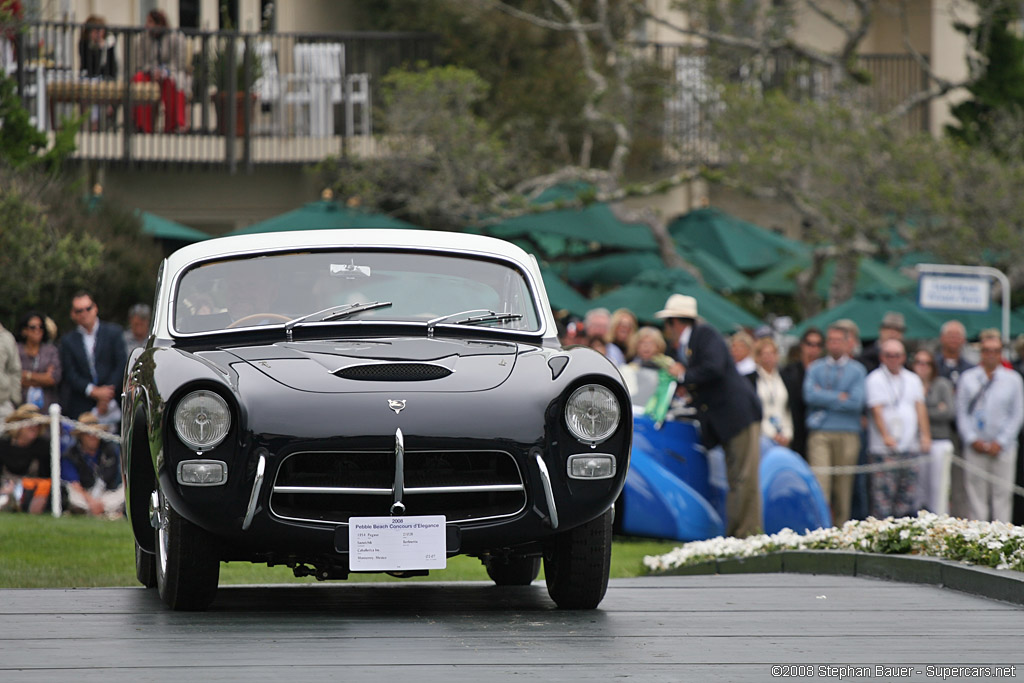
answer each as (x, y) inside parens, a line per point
(81, 372)
(878, 423)
(834, 406)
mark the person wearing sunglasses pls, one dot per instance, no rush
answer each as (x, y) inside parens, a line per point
(93, 359)
(811, 348)
(989, 414)
(40, 362)
(898, 432)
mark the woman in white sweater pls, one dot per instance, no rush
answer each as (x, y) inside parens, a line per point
(776, 421)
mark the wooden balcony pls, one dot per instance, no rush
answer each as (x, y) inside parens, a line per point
(235, 99)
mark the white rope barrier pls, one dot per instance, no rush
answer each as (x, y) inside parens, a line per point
(54, 420)
(914, 462)
(869, 469)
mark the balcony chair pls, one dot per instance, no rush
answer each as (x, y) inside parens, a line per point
(268, 88)
(357, 95)
(316, 86)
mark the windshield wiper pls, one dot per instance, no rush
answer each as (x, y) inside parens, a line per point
(474, 316)
(332, 313)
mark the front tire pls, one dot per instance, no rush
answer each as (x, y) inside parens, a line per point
(187, 571)
(577, 564)
(512, 571)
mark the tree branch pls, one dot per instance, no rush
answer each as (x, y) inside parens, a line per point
(540, 21)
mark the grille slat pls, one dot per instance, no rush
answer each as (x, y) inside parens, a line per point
(393, 372)
(330, 487)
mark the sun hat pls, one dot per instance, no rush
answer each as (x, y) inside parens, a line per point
(23, 412)
(91, 422)
(679, 306)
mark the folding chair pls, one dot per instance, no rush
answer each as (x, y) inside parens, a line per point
(316, 86)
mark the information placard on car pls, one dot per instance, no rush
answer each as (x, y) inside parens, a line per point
(396, 543)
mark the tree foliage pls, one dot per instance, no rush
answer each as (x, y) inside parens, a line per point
(22, 145)
(569, 92)
(447, 162)
(997, 96)
(52, 244)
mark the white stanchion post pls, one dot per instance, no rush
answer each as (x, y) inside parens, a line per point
(945, 476)
(55, 460)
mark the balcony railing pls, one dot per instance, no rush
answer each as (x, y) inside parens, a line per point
(693, 100)
(211, 98)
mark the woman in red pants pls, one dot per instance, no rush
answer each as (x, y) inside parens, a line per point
(159, 57)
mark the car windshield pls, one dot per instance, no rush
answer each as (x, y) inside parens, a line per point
(368, 285)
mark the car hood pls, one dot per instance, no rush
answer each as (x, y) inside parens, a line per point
(382, 364)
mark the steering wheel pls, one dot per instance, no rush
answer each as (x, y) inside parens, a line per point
(258, 316)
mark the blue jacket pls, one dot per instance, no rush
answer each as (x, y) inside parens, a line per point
(726, 402)
(823, 384)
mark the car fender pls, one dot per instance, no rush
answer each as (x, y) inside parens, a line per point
(790, 493)
(152, 380)
(659, 504)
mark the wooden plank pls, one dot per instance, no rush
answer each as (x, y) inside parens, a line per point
(654, 628)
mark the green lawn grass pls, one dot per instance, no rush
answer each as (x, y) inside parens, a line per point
(78, 552)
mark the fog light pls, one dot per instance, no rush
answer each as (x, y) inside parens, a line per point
(591, 466)
(202, 473)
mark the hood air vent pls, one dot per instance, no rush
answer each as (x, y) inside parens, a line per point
(393, 372)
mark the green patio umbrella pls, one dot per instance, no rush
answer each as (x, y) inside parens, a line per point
(717, 274)
(620, 267)
(562, 296)
(747, 247)
(152, 224)
(324, 214)
(595, 224)
(166, 229)
(610, 269)
(872, 276)
(867, 309)
(646, 294)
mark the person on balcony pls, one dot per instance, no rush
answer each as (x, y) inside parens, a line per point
(160, 55)
(97, 50)
(97, 55)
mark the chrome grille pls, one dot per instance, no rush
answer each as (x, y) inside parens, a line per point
(335, 485)
(393, 372)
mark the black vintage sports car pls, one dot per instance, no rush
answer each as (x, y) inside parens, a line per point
(368, 401)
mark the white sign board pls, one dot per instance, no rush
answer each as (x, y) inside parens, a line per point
(954, 292)
(383, 544)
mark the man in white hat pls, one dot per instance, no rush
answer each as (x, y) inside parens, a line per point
(727, 407)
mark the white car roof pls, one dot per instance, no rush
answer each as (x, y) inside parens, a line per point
(411, 239)
(458, 242)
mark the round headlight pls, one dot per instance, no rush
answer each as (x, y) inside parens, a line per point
(592, 413)
(202, 420)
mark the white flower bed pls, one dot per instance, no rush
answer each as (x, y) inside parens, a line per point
(991, 544)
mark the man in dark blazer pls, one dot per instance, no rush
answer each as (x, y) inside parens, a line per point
(92, 359)
(727, 407)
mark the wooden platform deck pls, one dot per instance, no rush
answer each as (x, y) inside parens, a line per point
(667, 628)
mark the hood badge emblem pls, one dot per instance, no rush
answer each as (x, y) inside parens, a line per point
(396, 405)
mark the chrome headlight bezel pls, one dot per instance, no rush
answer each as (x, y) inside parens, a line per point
(202, 420)
(593, 414)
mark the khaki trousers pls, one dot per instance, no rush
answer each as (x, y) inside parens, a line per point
(834, 449)
(991, 501)
(742, 463)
